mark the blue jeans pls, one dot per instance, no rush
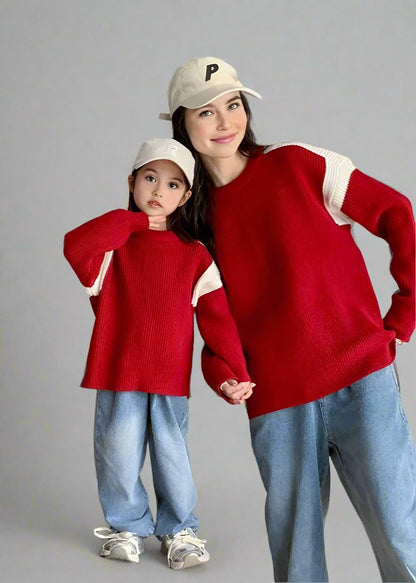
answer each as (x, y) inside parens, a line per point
(125, 422)
(363, 429)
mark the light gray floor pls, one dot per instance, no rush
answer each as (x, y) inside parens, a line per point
(50, 507)
(50, 512)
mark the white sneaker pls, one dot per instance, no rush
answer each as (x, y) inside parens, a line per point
(124, 546)
(184, 549)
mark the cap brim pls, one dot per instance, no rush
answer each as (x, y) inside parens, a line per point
(138, 164)
(197, 101)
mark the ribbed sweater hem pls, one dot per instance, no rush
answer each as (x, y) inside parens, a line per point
(152, 390)
(302, 398)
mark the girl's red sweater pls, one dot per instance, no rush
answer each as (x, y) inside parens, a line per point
(296, 281)
(145, 287)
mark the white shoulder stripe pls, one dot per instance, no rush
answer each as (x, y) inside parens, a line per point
(95, 289)
(337, 176)
(209, 281)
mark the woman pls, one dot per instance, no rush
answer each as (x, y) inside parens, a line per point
(279, 221)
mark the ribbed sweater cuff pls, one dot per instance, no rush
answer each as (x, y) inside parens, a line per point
(403, 330)
(139, 221)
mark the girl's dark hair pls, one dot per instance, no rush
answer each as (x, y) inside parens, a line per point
(179, 221)
(199, 204)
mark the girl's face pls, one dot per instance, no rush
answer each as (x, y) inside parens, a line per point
(217, 129)
(159, 187)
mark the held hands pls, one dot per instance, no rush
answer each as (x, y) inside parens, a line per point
(157, 223)
(237, 392)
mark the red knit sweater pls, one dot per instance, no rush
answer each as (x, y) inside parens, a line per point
(296, 282)
(145, 287)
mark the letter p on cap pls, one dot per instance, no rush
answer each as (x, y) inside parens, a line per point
(213, 68)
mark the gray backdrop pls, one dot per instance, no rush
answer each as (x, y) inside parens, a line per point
(83, 82)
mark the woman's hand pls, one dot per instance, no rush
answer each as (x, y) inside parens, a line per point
(157, 223)
(237, 392)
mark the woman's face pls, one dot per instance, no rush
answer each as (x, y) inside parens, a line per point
(217, 129)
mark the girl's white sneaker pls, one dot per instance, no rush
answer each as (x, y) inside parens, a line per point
(184, 549)
(123, 546)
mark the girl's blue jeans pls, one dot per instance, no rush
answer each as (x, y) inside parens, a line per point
(363, 429)
(125, 422)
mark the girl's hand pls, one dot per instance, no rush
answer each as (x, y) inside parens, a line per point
(398, 341)
(157, 223)
(237, 392)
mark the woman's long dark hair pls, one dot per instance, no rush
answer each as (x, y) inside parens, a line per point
(198, 208)
(179, 221)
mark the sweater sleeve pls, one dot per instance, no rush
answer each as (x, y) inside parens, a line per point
(222, 356)
(388, 214)
(351, 196)
(86, 246)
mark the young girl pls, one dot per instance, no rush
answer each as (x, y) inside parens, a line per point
(146, 277)
(309, 322)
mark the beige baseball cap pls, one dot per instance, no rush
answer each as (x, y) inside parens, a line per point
(201, 80)
(166, 149)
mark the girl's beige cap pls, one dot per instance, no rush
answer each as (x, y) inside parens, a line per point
(201, 80)
(166, 149)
